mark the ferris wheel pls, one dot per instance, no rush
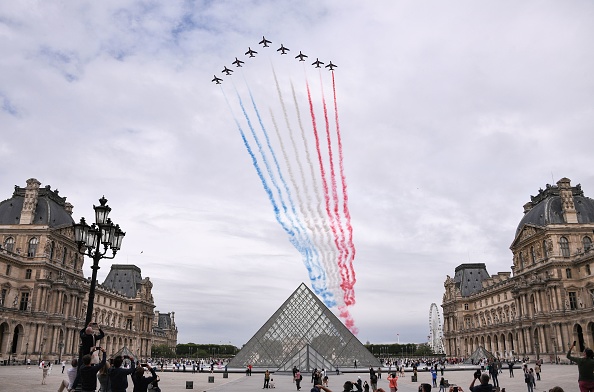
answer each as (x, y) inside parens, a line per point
(435, 332)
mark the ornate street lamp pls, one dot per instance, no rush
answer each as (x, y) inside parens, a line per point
(26, 351)
(60, 347)
(94, 241)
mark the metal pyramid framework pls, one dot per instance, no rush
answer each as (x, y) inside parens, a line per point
(478, 355)
(303, 333)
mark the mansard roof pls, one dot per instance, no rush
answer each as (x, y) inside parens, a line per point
(469, 278)
(124, 279)
(51, 208)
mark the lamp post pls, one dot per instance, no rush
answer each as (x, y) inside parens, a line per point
(89, 240)
(554, 348)
(40, 350)
(60, 347)
(536, 346)
(26, 351)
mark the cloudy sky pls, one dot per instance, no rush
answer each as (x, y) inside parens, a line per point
(452, 113)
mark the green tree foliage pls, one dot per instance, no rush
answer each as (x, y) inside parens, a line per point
(162, 351)
(193, 350)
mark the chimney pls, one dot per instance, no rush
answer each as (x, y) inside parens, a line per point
(567, 206)
(30, 203)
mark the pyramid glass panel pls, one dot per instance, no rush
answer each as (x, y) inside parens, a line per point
(303, 333)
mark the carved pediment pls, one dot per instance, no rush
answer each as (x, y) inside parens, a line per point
(526, 233)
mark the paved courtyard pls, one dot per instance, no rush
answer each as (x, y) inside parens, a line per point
(20, 378)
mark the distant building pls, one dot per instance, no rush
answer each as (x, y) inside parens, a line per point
(547, 301)
(44, 294)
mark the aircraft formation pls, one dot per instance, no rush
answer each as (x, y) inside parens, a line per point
(283, 50)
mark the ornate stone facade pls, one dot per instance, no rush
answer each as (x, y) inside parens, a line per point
(44, 293)
(547, 301)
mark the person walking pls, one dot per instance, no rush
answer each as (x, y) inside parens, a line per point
(434, 377)
(494, 373)
(537, 370)
(585, 368)
(298, 377)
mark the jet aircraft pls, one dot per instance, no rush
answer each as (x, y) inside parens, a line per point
(301, 56)
(238, 62)
(317, 63)
(251, 52)
(227, 71)
(217, 80)
(264, 42)
(331, 66)
(283, 50)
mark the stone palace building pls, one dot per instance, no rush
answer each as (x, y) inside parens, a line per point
(547, 300)
(44, 293)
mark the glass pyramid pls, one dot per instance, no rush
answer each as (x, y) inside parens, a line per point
(303, 333)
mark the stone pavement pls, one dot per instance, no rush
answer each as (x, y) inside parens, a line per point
(20, 378)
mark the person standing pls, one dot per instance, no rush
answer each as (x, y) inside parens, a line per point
(266, 379)
(88, 372)
(585, 368)
(63, 366)
(44, 372)
(442, 385)
(393, 382)
(141, 382)
(537, 370)
(118, 375)
(434, 377)
(510, 364)
(494, 373)
(529, 380)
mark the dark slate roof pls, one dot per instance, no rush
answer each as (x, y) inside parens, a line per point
(545, 208)
(124, 279)
(469, 278)
(164, 321)
(50, 208)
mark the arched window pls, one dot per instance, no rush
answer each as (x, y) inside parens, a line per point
(568, 273)
(9, 244)
(564, 245)
(33, 242)
(52, 250)
(587, 242)
(28, 273)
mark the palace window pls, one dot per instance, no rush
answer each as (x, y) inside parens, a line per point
(564, 245)
(64, 255)
(587, 242)
(33, 242)
(52, 250)
(573, 300)
(28, 273)
(568, 273)
(532, 254)
(544, 249)
(3, 296)
(8, 269)
(521, 260)
(9, 244)
(24, 301)
(465, 306)
(588, 272)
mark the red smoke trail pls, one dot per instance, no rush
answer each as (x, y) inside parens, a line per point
(348, 319)
(323, 173)
(350, 293)
(344, 271)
